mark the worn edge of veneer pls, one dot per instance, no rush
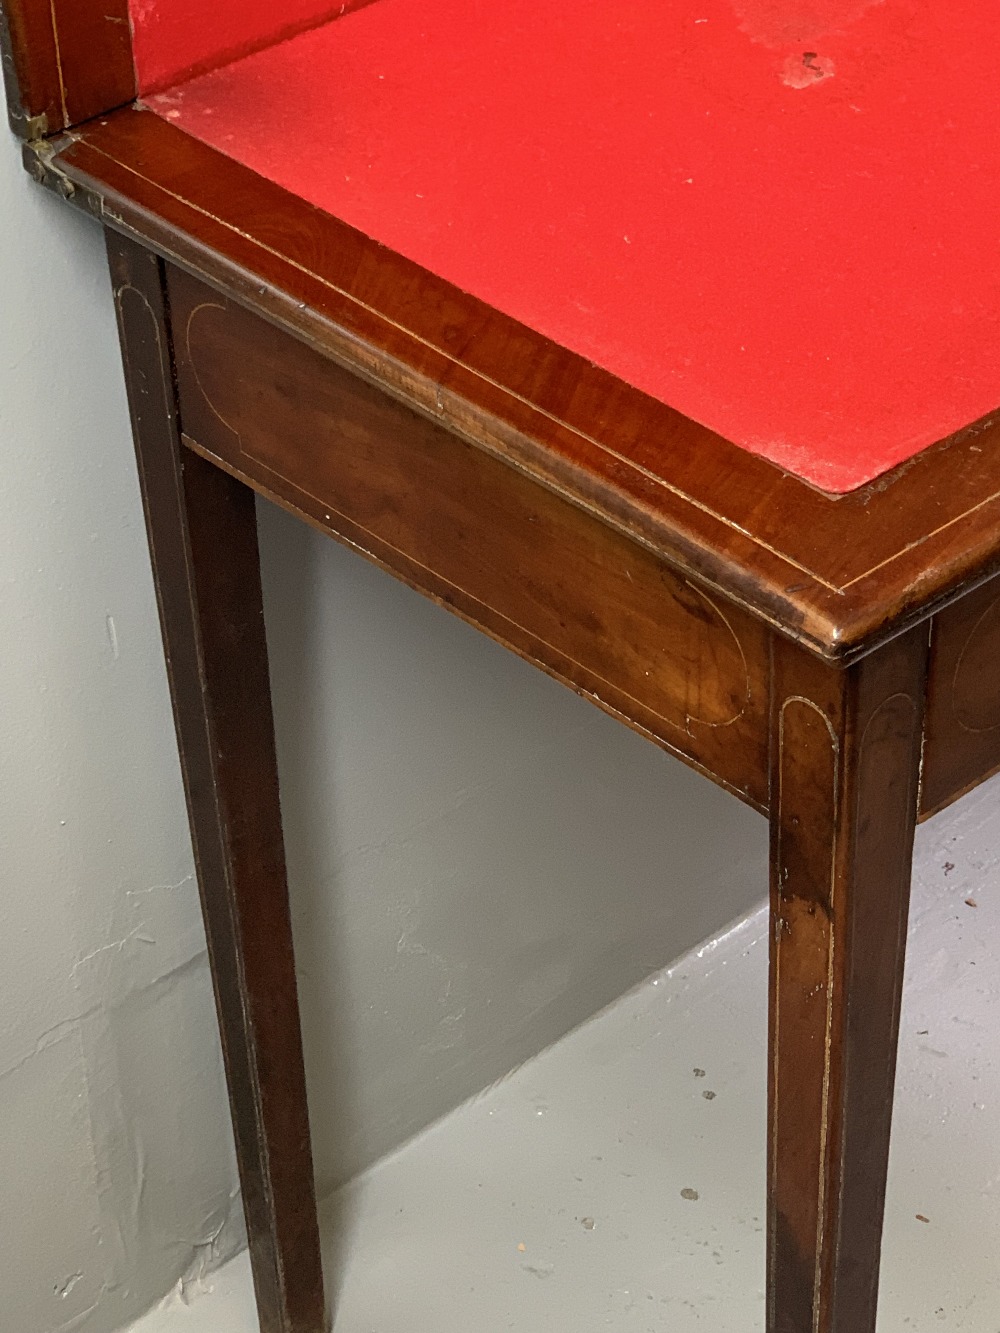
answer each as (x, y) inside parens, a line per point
(962, 729)
(117, 169)
(64, 62)
(929, 811)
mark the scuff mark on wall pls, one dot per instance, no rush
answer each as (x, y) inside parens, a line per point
(226, 1235)
(113, 637)
(65, 1288)
(143, 971)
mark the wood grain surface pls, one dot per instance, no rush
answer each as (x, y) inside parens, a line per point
(536, 572)
(203, 542)
(845, 770)
(65, 61)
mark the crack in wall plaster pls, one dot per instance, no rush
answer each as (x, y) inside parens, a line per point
(161, 888)
(115, 945)
(50, 1037)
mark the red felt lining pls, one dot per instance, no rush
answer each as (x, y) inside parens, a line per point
(780, 218)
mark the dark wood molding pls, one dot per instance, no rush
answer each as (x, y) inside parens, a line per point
(65, 61)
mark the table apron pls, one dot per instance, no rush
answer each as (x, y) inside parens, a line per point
(538, 573)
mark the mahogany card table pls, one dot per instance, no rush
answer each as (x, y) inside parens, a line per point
(660, 342)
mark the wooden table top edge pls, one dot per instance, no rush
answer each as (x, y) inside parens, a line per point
(885, 557)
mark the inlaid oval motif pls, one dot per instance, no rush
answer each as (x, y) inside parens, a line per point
(205, 323)
(975, 691)
(534, 570)
(712, 680)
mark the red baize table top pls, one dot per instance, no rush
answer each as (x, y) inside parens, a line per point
(778, 216)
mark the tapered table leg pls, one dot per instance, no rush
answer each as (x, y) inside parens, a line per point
(203, 541)
(845, 773)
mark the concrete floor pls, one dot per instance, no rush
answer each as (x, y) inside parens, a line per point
(617, 1181)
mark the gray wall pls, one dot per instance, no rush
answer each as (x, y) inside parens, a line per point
(479, 859)
(115, 1153)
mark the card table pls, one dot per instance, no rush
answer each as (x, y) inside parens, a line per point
(660, 343)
